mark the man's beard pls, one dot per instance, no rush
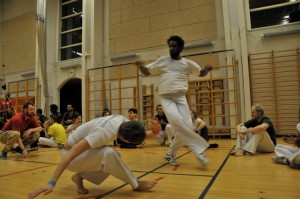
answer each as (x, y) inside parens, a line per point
(29, 115)
(174, 54)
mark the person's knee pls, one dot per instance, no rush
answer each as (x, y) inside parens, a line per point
(14, 135)
(258, 135)
(110, 152)
(36, 135)
(169, 127)
(160, 138)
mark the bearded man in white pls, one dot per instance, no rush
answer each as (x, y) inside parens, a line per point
(174, 72)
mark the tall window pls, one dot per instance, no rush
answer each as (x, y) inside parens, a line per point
(264, 13)
(71, 29)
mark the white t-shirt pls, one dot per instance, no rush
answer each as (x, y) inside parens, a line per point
(174, 74)
(197, 122)
(99, 131)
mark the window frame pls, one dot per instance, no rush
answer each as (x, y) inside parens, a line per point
(248, 15)
(60, 32)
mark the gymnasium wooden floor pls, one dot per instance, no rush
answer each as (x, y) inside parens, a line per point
(226, 177)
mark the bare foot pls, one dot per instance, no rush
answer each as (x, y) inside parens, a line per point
(78, 180)
(234, 151)
(145, 185)
(241, 152)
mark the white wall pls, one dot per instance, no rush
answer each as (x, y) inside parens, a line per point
(15, 8)
(257, 44)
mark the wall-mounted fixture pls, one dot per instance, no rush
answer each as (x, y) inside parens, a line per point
(28, 73)
(199, 44)
(124, 56)
(281, 32)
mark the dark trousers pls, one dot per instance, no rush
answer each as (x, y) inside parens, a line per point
(204, 133)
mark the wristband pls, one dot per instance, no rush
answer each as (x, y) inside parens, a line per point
(52, 183)
(23, 149)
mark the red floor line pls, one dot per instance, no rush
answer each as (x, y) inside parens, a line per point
(26, 170)
(175, 168)
(158, 179)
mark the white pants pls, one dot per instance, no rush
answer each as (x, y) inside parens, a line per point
(298, 127)
(168, 133)
(48, 142)
(179, 117)
(95, 165)
(291, 153)
(161, 136)
(256, 142)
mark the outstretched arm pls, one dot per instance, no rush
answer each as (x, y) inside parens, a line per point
(201, 126)
(144, 70)
(205, 71)
(70, 128)
(75, 151)
(259, 128)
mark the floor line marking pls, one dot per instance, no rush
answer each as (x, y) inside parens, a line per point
(175, 168)
(25, 170)
(31, 161)
(179, 174)
(147, 173)
(203, 194)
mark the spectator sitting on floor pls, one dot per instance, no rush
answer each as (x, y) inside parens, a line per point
(132, 116)
(255, 135)
(71, 128)
(56, 136)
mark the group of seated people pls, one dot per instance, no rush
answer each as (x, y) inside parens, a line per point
(57, 128)
(255, 135)
(27, 130)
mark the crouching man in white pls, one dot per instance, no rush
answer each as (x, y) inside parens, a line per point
(86, 154)
(56, 135)
(255, 135)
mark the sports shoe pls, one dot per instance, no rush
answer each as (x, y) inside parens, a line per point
(3, 154)
(213, 146)
(171, 160)
(203, 160)
(279, 160)
(32, 148)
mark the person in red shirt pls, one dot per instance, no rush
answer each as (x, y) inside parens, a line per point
(28, 126)
(7, 109)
